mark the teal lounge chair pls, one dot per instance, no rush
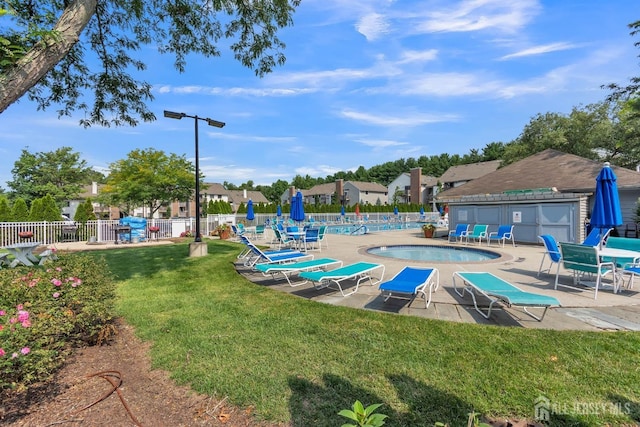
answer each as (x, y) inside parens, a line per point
(499, 290)
(411, 282)
(478, 233)
(287, 270)
(459, 233)
(359, 272)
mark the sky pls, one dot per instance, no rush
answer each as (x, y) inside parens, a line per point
(365, 82)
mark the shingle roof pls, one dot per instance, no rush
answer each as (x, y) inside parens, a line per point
(429, 181)
(469, 172)
(237, 196)
(213, 188)
(369, 186)
(320, 189)
(547, 169)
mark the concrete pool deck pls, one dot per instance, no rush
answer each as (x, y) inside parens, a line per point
(519, 266)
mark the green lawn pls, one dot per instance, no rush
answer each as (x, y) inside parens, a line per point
(300, 361)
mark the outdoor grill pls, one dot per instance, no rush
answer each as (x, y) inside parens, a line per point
(122, 229)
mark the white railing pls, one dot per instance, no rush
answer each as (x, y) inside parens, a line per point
(104, 230)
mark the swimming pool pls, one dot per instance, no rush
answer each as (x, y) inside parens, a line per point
(434, 253)
(369, 227)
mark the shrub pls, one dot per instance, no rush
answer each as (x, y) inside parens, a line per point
(46, 311)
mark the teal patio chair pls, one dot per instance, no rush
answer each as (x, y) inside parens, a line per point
(583, 260)
(478, 233)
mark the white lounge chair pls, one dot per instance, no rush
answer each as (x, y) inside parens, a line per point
(411, 282)
(287, 270)
(499, 290)
(260, 257)
(359, 272)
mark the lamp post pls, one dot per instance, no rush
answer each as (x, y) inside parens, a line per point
(210, 122)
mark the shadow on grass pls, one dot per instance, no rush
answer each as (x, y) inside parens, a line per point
(146, 261)
(318, 404)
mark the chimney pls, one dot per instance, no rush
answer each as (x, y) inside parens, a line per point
(244, 193)
(94, 187)
(415, 185)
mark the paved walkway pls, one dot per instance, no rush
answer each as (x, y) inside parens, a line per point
(519, 266)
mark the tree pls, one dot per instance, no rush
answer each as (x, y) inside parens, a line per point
(5, 209)
(150, 178)
(579, 133)
(55, 67)
(630, 92)
(59, 173)
(85, 212)
(36, 213)
(20, 211)
(50, 209)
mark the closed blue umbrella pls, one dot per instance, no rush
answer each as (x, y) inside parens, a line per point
(342, 210)
(606, 212)
(421, 210)
(250, 214)
(297, 208)
(279, 211)
(395, 210)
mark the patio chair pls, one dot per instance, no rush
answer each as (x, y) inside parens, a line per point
(585, 260)
(504, 233)
(459, 233)
(596, 237)
(322, 236)
(411, 282)
(282, 239)
(357, 272)
(311, 239)
(287, 270)
(478, 233)
(498, 290)
(552, 251)
(631, 230)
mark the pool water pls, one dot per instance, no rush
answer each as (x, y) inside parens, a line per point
(371, 227)
(434, 253)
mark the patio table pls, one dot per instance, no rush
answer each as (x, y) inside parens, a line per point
(298, 236)
(614, 254)
(23, 253)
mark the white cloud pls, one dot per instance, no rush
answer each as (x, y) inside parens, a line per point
(539, 50)
(381, 143)
(404, 120)
(476, 15)
(418, 56)
(372, 26)
(232, 91)
(317, 171)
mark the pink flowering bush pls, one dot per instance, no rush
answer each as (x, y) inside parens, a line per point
(45, 311)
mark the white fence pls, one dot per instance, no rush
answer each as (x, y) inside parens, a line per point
(105, 230)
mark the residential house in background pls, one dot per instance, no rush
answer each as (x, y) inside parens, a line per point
(348, 193)
(550, 192)
(456, 176)
(413, 187)
(177, 209)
